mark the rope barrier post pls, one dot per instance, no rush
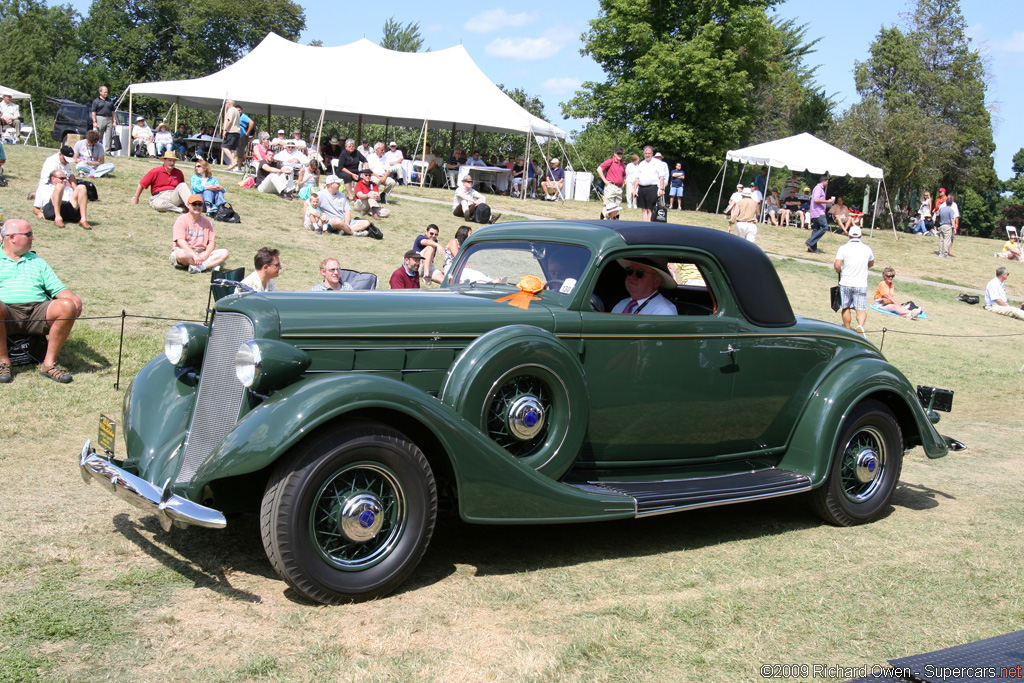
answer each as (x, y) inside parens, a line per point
(881, 344)
(120, 348)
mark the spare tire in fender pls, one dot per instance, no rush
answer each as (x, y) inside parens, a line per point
(522, 387)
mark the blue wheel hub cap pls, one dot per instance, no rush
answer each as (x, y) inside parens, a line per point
(867, 465)
(359, 517)
(525, 417)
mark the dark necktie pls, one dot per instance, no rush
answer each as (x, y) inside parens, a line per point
(630, 307)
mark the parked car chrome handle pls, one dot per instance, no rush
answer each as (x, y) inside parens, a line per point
(730, 349)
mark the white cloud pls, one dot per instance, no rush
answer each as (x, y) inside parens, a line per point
(561, 86)
(497, 19)
(529, 49)
(1015, 43)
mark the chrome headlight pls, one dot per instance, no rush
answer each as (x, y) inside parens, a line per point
(185, 344)
(265, 364)
(248, 363)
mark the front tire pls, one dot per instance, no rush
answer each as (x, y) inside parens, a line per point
(349, 516)
(865, 467)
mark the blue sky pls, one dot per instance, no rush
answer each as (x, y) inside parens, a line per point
(535, 46)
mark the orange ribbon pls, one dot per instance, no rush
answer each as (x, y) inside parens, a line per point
(528, 287)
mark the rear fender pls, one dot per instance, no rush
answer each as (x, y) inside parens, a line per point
(815, 437)
(492, 485)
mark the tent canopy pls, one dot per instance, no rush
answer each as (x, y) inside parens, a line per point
(15, 94)
(298, 80)
(805, 153)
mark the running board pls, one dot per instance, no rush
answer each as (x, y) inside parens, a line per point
(660, 497)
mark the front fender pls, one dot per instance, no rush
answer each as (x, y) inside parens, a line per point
(492, 486)
(157, 409)
(817, 431)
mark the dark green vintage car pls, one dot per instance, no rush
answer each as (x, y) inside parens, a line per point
(344, 419)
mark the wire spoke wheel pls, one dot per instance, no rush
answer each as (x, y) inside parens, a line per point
(358, 515)
(516, 419)
(865, 467)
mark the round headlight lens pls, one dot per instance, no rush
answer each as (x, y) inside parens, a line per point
(248, 363)
(176, 344)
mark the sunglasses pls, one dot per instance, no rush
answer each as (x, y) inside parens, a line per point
(26, 234)
(332, 270)
(639, 272)
(199, 204)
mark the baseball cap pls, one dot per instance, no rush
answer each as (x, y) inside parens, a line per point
(66, 151)
(280, 131)
(413, 254)
(195, 198)
(392, 144)
(855, 231)
(333, 179)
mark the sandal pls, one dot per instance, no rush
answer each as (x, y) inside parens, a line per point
(56, 373)
(5, 373)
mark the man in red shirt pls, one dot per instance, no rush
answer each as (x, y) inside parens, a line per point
(367, 196)
(613, 174)
(170, 193)
(407, 274)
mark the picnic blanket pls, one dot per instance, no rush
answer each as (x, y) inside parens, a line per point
(876, 307)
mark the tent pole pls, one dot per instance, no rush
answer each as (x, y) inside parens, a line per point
(526, 170)
(177, 101)
(302, 120)
(874, 213)
(32, 108)
(269, 127)
(359, 130)
(423, 157)
(131, 122)
(453, 138)
(725, 166)
(710, 187)
(472, 145)
(764, 195)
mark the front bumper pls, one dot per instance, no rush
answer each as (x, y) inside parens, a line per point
(170, 508)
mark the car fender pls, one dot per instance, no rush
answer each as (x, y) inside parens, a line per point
(157, 410)
(817, 430)
(492, 485)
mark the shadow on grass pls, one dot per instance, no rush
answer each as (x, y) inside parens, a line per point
(210, 554)
(83, 358)
(500, 550)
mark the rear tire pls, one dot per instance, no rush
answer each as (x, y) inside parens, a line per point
(865, 467)
(349, 516)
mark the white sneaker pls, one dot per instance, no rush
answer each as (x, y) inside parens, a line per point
(361, 233)
(193, 269)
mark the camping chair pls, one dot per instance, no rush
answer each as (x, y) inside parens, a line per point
(357, 280)
(1011, 231)
(23, 135)
(219, 291)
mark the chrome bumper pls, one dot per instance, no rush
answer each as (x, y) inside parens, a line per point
(169, 507)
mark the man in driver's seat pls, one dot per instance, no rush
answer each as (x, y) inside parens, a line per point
(643, 279)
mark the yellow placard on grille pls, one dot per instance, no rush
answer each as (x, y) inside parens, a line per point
(105, 439)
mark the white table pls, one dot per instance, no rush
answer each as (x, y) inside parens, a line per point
(496, 176)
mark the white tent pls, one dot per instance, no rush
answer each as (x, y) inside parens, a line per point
(803, 153)
(444, 88)
(17, 95)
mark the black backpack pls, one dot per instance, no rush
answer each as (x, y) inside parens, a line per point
(226, 214)
(90, 190)
(482, 214)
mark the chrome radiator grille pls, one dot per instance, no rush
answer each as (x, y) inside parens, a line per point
(220, 392)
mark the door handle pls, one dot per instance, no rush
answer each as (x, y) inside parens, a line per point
(730, 349)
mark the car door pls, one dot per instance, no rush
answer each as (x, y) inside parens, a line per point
(660, 385)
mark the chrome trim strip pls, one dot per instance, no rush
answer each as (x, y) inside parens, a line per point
(400, 347)
(381, 335)
(170, 508)
(716, 503)
(371, 372)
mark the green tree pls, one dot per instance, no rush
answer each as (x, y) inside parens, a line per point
(40, 50)
(148, 40)
(928, 71)
(400, 38)
(696, 79)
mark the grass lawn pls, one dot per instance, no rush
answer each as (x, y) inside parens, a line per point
(91, 588)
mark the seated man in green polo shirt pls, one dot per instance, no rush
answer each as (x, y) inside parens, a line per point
(33, 300)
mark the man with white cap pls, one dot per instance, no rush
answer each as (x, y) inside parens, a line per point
(744, 215)
(393, 159)
(852, 262)
(279, 141)
(335, 207)
(733, 201)
(298, 141)
(10, 115)
(553, 181)
(643, 280)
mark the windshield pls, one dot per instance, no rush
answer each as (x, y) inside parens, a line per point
(559, 266)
